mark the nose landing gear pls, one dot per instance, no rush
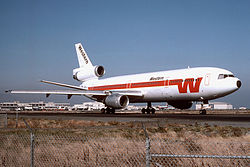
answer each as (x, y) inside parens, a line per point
(203, 110)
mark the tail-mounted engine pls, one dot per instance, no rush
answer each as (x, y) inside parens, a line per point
(83, 74)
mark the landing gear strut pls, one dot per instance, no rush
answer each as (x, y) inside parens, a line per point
(203, 110)
(108, 110)
(149, 109)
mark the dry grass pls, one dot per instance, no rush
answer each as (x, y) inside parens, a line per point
(133, 129)
(90, 143)
(63, 148)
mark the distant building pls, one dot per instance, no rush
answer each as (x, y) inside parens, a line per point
(8, 106)
(89, 106)
(216, 106)
(37, 105)
(18, 106)
(166, 107)
(93, 105)
(132, 107)
(56, 106)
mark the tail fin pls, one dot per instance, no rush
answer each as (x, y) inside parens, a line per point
(83, 59)
(86, 71)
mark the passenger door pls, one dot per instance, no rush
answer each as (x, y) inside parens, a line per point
(207, 79)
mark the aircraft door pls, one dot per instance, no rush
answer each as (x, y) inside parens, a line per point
(207, 79)
(166, 91)
(128, 85)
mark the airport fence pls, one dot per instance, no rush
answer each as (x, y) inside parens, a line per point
(3, 120)
(28, 147)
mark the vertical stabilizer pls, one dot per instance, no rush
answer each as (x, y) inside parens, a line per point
(83, 59)
(86, 71)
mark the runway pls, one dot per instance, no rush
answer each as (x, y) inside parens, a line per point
(236, 120)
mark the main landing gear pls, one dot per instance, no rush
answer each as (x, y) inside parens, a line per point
(149, 109)
(108, 110)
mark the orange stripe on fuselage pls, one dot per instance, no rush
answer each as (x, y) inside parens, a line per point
(109, 87)
(181, 87)
(147, 84)
(129, 85)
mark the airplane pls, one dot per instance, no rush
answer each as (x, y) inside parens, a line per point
(179, 88)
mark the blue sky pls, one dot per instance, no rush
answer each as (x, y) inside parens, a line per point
(37, 40)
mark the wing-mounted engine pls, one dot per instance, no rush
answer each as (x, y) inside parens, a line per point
(117, 101)
(83, 74)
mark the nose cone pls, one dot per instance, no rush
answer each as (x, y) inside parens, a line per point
(238, 83)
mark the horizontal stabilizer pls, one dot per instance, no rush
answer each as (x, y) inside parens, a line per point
(63, 85)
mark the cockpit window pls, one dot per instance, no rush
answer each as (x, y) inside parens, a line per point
(222, 76)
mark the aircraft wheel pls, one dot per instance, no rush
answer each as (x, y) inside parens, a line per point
(103, 110)
(112, 110)
(108, 110)
(143, 111)
(203, 112)
(152, 110)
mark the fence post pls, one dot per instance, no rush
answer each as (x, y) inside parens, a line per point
(32, 139)
(6, 120)
(148, 156)
(16, 119)
(32, 149)
(3, 120)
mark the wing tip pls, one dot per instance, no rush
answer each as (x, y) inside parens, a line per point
(8, 91)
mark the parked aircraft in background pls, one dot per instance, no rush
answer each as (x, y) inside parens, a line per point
(179, 88)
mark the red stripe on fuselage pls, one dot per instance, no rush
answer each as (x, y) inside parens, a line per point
(181, 87)
(109, 87)
(129, 85)
(147, 84)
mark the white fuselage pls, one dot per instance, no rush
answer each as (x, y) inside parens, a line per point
(178, 88)
(191, 84)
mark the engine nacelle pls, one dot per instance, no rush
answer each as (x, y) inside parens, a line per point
(83, 74)
(99, 71)
(117, 101)
(181, 104)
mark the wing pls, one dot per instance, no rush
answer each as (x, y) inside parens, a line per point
(95, 95)
(129, 93)
(63, 85)
(69, 93)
